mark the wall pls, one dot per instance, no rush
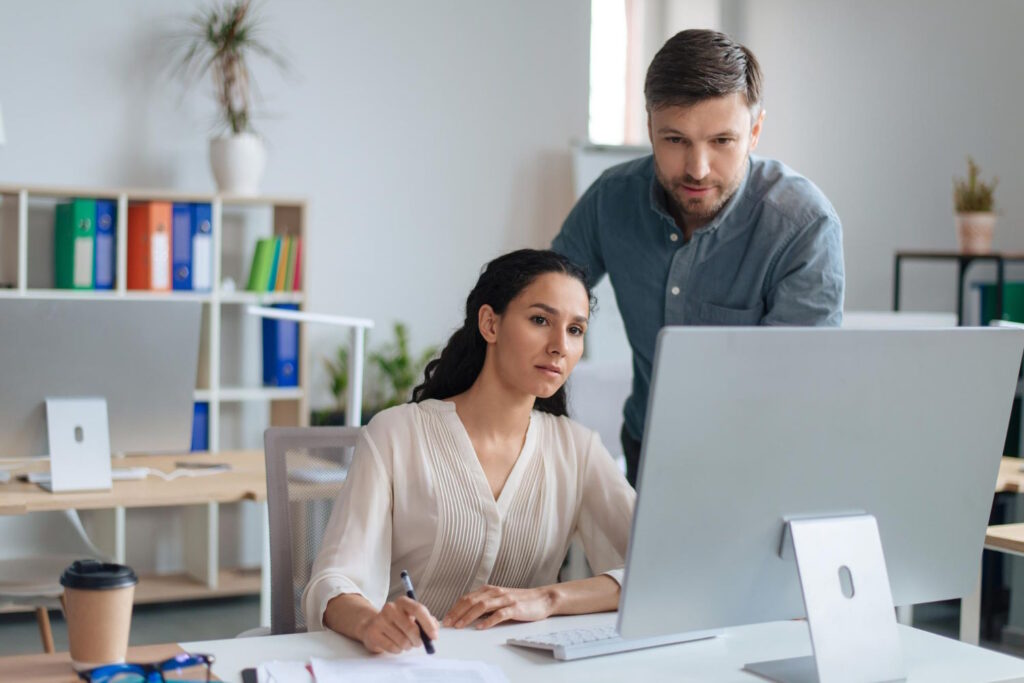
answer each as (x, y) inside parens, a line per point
(879, 103)
(428, 137)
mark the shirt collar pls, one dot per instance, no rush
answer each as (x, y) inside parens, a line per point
(659, 201)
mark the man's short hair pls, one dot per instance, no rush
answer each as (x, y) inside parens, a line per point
(698, 64)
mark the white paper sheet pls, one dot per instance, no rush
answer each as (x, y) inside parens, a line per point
(283, 672)
(407, 669)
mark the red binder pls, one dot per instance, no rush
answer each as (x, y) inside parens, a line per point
(149, 246)
(297, 281)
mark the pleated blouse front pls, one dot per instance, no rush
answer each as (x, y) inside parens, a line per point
(417, 499)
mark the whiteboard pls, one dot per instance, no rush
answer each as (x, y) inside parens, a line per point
(590, 161)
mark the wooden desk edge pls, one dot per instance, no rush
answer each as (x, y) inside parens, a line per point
(56, 668)
(18, 498)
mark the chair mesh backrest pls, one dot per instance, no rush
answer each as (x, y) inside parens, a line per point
(304, 470)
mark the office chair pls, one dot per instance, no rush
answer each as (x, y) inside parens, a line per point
(36, 549)
(306, 467)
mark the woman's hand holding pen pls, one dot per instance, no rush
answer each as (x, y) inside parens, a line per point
(501, 604)
(394, 629)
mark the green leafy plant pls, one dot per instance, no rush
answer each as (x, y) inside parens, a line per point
(337, 370)
(394, 374)
(398, 371)
(973, 195)
(220, 40)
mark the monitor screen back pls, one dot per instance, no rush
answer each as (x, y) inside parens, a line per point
(748, 427)
(138, 355)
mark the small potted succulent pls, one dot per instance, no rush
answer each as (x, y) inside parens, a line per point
(219, 41)
(975, 211)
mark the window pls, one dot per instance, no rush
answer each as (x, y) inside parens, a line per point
(624, 37)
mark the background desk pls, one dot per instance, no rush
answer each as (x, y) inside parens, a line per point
(200, 496)
(1007, 538)
(1011, 478)
(929, 657)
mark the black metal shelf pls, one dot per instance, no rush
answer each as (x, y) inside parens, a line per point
(963, 262)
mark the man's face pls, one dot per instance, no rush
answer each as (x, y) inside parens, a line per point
(700, 154)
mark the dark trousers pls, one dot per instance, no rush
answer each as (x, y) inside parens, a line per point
(631, 449)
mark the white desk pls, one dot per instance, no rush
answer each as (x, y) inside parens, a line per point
(929, 657)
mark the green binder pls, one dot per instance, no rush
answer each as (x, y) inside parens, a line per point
(262, 262)
(74, 239)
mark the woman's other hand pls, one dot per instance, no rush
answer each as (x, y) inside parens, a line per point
(501, 604)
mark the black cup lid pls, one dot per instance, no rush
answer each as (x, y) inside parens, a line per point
(95, 575)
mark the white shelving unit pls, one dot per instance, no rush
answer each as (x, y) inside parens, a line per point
(26, 228)
(288, 406)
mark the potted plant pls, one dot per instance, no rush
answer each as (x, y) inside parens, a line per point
(975, 214)
(398, 371)
(337, 371)
(392, 375)
(219, 41)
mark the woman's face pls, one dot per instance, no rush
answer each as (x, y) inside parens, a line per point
(538, 340)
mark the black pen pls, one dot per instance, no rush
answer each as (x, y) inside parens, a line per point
(407, 582)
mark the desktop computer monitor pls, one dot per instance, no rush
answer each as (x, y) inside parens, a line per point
(748, 429)
(139, 356)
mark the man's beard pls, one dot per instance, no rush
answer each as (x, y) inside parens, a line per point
(695, 210)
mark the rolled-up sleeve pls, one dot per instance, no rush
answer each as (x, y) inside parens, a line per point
(606, 512)
(809, 286)
(356, 553)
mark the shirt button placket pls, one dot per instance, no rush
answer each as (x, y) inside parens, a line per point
(674, 236)
(679, 272)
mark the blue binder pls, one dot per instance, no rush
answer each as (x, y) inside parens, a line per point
(181, 246)
(106, 235)
(281, 350)
(200, 427)
(202, 248)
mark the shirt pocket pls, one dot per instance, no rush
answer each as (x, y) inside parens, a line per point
(713, 314)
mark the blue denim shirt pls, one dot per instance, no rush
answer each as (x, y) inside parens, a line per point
(772, 256)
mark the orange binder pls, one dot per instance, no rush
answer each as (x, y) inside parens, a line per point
(149, 246)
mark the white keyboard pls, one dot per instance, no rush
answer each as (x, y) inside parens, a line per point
(591, 642)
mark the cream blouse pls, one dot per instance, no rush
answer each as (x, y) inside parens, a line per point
(417, 498)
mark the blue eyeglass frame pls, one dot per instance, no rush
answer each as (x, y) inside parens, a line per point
(153, 673)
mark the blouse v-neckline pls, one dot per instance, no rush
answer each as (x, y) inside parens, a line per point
(468, 452)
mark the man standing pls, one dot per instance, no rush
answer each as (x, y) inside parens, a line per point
(701, 232)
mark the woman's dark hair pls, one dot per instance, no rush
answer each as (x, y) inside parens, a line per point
(501, 281)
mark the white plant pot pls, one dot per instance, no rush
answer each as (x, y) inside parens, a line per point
(238, 162)
(974, 231)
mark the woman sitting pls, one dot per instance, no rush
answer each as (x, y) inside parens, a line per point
(477, 486)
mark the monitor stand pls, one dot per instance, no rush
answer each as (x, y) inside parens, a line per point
(848, 602)
(79, 444)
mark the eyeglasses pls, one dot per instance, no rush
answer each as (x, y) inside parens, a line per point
(183, 668)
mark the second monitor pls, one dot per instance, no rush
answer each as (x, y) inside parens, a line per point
(138, 356)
